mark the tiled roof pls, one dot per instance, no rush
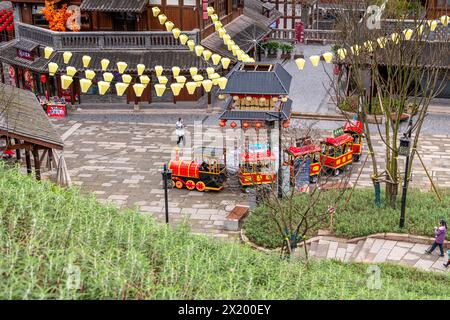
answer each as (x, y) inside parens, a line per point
(257, 115)
(252, 25)
(114, 5)
(8, 54)
(21, 115)
(26, 45)
(275, 82)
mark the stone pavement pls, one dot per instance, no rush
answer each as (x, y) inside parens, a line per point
(375, 250)
(120, 162)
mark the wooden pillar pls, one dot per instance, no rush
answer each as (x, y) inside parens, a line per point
(150, 90)
(28, 161)
(37, 162)
(2, 74)
(50, 159)
(18, 154)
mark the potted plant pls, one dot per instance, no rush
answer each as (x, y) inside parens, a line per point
(286, 51)
(272, 48)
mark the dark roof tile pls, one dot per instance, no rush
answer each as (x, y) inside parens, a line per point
(136, 6)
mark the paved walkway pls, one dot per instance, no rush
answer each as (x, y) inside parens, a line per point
(374, 250)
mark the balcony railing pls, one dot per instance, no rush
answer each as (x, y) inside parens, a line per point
(103, 40)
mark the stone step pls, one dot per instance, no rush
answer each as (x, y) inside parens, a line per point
(357, 249)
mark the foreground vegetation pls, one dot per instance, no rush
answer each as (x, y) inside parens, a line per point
(361, 217)
(123, 255)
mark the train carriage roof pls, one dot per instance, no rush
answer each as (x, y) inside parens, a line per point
(338, 141)
(253, 157)
(304, 150)
(353, 127)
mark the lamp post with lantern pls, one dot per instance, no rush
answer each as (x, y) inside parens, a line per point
(405, 150)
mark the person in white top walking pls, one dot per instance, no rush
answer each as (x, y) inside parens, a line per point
(180, 131)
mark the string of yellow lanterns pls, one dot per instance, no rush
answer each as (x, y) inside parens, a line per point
(381, 42)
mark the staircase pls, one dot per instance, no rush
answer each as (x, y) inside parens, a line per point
(372, 251)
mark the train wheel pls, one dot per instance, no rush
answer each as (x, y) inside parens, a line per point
(201, 186)
(190, 185)
(179, 184)
(313, 179)
(337, 172)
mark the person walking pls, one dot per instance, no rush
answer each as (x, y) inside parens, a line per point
(180, 131)
(439, 233)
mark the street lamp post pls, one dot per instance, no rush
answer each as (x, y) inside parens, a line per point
(280, 154)
(404, 150)
(166, 176)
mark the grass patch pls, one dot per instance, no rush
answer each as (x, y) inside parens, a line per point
(124, 255)
(362, 217)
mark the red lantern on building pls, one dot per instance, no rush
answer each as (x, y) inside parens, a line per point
(286, 124)
(223, 123)
(43, 78)
(233, 124)
(245, 125)
(258, 125)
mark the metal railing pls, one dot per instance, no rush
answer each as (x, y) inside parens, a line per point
(103, 40)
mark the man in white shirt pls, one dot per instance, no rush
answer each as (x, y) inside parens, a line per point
(180, 131)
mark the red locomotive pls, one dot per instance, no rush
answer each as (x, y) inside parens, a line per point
(356, 131)
(207, 174)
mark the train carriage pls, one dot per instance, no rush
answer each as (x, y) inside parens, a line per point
(257, 168)
(356, 131)
(206, 172)
(337, 153)
(301, 154)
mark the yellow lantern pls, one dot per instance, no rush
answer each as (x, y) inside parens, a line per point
(226, 38)
(176, 33)
(89, 74)
(221, 97)
(160, 88)
(214, 76)
(199, 50)
(105, 64)
(163, 80)
(249, 99)
(368, 45)
(444, 20)
(395, 37)
(222, 83)
(275, 99)
(315, 60)
(198, 80)
(162, 18)
(159, 70)
(408, 34)
(234, 49)
(216, 59)
(183, 39)
(145, 80)
(140, 69)
(225, 62)
(207, 54)
(67, 56)
(86, 61)
(108, 77)
(381, 42)
(284, 99)
(175, 71)
(230, 45)
(176, 88)
(214, 17)
(191, 86)
(156, 11)
(191, 45)
(355, 49)
(126, 78)
(210, 11)
(138, 89)
(222, 32)
(66, 81)
(432, 24)
(52, 68)
(121, 88)
(122, 66)
(300, 62)
(85, 84)
(169, 25)
(342, 53)
(103, 87)
(239, 54)
(207, 85)
(181, 79)
(328, 57)
(48, 52)
(420, 29)
(210, 70)
(193, 71)
(71, 71)
(217, 25)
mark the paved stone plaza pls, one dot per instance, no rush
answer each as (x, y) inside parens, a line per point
(120, 162)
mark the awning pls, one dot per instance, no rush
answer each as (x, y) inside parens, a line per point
(135, 6)
(25, 45)
(258, 115)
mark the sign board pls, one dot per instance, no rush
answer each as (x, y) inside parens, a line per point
(302, 168)
(257, 147)
(338, 132)
(56, 110)
(25, 55)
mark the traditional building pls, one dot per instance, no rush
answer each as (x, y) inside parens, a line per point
(123, 30)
